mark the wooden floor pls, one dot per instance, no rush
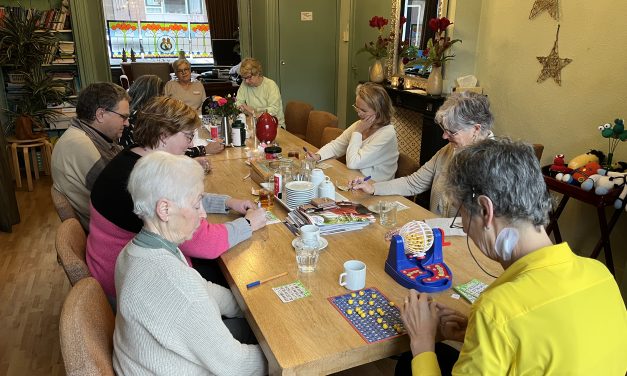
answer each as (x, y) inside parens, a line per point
(33, 287)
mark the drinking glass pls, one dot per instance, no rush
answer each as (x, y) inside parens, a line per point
(307, 257)
(266, 198)
(387, 213)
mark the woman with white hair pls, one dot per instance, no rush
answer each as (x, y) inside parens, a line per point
(465, 118)
(550, 312)
(169, 319)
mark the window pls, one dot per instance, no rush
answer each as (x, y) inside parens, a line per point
(157, 30)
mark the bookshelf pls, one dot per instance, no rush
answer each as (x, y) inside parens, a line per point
(59, 61)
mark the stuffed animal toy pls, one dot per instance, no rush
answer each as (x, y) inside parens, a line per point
(604, 182)
(583, 159)
(559, 166)
(580, 175)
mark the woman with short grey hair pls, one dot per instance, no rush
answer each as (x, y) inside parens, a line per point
(169, 319)
(190, 92)
(465, 118)
(544, 298)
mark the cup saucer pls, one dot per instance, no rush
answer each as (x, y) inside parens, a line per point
(322, 244)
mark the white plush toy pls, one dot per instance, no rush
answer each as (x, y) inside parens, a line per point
(605, 181)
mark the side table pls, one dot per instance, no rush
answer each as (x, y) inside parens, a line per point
(29, 149)
(600, 202)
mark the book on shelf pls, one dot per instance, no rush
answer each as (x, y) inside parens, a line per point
(331, 220)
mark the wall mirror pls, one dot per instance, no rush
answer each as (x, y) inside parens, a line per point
(415, 30)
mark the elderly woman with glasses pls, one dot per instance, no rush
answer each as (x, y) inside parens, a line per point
(550, 312)
(169, 319)
(163, 124)
(370, 143)
(258, 93)
(191, 92)
(465, 118)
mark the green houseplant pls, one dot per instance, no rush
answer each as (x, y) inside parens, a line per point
(24, 47)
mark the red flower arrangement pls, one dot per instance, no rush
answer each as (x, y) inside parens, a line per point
(379, 47)
(435, 53)
(220, 106)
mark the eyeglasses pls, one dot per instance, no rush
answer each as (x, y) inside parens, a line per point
(448, 131)
(124, 117)
(357, 108)
(189, 135)
(184, 70)
(247, 78)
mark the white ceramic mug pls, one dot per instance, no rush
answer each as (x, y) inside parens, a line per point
(310, 234)
(354, 276)
(317, 177)
(327, 189)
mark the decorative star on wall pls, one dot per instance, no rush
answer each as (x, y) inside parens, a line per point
(552, 65)
(552, 6)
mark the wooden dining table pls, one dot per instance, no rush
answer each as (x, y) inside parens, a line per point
(309, 336)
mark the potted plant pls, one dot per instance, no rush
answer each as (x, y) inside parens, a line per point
(32, 109)
(24, 47)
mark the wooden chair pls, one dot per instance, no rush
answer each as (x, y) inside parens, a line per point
(406, 167)
(71, 243)
(329, 134)
(86, 331)
(317, 121)
(62, 205)
(296, 116)
(538, 149)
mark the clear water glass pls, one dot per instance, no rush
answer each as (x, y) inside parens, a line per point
(307, 257)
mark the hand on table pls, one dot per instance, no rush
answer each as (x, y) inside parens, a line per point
(240, 206)
(215, 146)
(205, 163)
(248, 110)
(453, 324)
(359, 183)
(313, 156)
(257, 218)
(420, 316)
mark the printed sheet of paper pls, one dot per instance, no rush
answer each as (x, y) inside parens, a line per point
(271, 218)
(290, 292)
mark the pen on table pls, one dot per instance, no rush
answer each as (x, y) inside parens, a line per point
(291, 228)
(257, 283)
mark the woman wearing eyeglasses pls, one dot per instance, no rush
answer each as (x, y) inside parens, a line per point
(551, 312)
(465, 118)
(190, 92)
(163, 124)
(258, 93)
(370, 143)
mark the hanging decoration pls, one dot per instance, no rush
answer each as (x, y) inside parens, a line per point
(551, 6)
(552, 64)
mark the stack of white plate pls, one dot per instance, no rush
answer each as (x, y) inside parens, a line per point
(299, 193)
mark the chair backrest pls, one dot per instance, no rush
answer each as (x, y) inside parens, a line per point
(406, 165)
(62, 204)
(329, 134)
(317, 121)
(161, 69)
(86, 331)
(296, 117)
(70, 243)
(538, 149)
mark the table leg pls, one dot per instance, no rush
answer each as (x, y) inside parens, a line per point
(29, 179)
(604, 241)
(553, 226)
(16, 165)
(33, 156)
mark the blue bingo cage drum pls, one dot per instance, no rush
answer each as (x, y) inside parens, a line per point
(415, 259)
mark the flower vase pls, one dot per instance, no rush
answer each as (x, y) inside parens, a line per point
(434, 82)
(376, 72)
